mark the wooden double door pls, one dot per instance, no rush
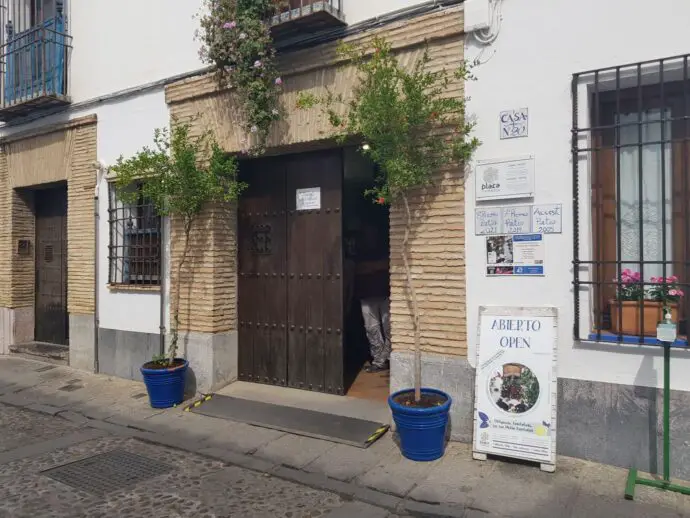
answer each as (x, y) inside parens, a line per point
(290, 300)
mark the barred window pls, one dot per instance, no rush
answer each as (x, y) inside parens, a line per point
(631, 133)
(135, 241)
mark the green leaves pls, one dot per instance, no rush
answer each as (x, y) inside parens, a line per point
(180, 174)
(236, 39)
(408, 117)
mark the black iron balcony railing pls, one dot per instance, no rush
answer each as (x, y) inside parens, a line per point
(311, 16)
(35, 65)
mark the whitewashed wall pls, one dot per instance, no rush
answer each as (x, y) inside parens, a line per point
(120, 45)
(540, 45)
(123, 129)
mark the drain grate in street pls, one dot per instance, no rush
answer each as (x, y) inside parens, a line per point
(108, 472)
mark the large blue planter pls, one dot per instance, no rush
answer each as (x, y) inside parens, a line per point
(422, 431)
(165, 386)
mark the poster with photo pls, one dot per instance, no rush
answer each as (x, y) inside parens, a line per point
(515, 393)
(519, 254)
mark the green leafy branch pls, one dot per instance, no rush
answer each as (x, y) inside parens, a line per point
(180, 175)
(412, 125)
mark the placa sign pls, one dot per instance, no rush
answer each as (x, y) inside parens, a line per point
(504, 179)
(308, 199)
(516, 384)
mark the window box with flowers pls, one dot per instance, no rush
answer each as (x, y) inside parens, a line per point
(637, 310)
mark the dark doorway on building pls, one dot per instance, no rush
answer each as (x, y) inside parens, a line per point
(299, 293)
(51, 317)
(367, 275)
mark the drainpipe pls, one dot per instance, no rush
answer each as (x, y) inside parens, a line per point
(162, 249)
(101, 170)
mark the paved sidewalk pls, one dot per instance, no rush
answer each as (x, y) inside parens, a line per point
(452, 486)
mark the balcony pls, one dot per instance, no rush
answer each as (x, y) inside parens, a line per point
(306, 17)
(35, 65)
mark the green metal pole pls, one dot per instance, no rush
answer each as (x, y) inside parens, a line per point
(667, 408)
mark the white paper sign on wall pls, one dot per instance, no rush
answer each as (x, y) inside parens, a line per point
(517, 220)
(514, 123)
(547, 219)
(488, 222)
(516, 384)
(504, 179)
(309, 199)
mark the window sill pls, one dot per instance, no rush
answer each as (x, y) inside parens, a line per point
(134, 288)
(611, 338)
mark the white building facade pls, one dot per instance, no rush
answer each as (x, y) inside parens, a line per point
(533, 60)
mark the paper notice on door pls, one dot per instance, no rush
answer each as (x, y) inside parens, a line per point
(309, 199)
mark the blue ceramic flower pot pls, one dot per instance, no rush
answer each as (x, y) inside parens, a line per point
(422, 431)
(165, 386)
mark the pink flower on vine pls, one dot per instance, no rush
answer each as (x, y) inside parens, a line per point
(258, 64)
(229, 25)
(279, 81)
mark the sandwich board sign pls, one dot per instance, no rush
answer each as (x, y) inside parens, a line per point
(516, 384)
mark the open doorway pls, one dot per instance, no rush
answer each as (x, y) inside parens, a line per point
(366, 290)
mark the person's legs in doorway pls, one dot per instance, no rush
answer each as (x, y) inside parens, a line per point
(376, 318)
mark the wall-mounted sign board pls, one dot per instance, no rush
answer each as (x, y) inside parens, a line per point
(308, 199)
(516, 384)
(514, 123)
(504, 179)
(522, 219)
(519, 254)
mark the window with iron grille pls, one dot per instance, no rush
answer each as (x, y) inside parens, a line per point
(135, 241)
(631, 195)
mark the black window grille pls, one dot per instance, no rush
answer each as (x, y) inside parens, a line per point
(631, 152)
(135, 241)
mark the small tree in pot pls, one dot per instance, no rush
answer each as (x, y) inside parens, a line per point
(180, 176)
(412, 126)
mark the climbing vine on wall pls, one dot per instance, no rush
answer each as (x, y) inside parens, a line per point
(236, 39)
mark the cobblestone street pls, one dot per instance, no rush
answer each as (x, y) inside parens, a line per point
(192, 485)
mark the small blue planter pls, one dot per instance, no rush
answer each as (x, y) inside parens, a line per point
(165, 386)
(422, 431)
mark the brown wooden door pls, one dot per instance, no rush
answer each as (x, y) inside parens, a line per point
(51, 266)
(315, 284)
(262, 274)
(290, 272)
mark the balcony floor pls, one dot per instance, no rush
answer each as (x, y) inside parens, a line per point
(21, 107)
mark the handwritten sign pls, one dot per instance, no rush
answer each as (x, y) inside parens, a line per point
(547, 219)
(487, 222)
(517, 220)
(308, 199)
(522, 219)
(514, 123)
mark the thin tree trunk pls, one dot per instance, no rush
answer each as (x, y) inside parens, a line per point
(415, 305)
(178, 292)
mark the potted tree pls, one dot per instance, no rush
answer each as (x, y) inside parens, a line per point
(634, 303)
(411, 125)
(181, 175)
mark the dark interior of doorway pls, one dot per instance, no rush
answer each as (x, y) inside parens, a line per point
(362, 220)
